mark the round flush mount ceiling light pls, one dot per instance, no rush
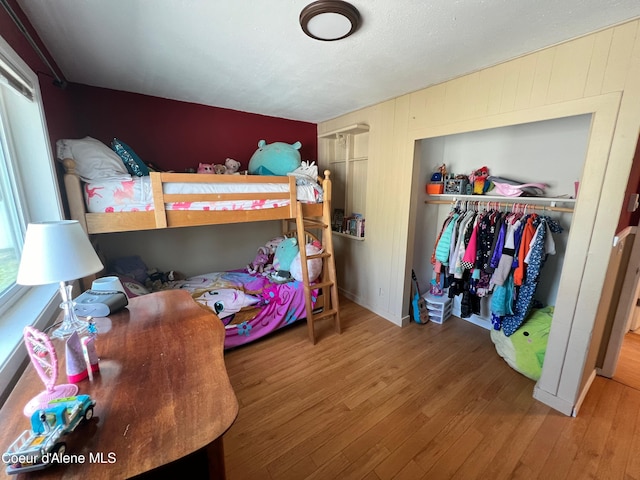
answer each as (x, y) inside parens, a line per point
(329, 20)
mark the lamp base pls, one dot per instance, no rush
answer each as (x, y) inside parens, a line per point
(70, 323)
(43, 398)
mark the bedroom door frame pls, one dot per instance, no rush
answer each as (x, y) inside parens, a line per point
(625, 309)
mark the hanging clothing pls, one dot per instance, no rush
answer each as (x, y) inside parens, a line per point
(525, 242)
(444, 242)
(538, 255)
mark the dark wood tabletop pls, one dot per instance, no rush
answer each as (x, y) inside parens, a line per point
(162, 392)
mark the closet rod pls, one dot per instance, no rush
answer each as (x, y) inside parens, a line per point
(502, 204)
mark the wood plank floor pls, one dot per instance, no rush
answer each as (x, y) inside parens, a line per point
(426, 401)
(628, 368)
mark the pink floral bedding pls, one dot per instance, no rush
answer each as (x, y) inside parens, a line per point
(249, 305)
(135, 195)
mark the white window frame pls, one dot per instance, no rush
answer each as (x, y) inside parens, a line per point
(37, 195)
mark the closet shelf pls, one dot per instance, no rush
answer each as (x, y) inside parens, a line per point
(492, 198)
(536, 202)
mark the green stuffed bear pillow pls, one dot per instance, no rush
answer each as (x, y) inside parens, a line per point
(525, 349)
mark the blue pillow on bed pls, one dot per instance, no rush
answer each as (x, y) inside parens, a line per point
(134, 165)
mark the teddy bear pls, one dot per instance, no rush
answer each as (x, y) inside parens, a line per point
(232, 166)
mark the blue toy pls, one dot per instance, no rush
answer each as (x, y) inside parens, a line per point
(42, 446)
(276, 158)
(285, 253)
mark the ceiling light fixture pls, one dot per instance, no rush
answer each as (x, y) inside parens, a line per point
(329, 20)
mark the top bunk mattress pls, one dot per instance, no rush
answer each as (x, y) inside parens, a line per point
(136, 195)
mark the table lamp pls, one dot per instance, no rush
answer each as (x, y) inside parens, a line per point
(58, 252)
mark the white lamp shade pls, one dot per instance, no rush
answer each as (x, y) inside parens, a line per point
(56, 252)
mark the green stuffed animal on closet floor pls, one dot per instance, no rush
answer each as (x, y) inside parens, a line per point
(525, 350)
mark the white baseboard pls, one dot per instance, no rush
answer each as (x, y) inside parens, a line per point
(557, 403)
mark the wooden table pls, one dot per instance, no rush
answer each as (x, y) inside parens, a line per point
(162, 393)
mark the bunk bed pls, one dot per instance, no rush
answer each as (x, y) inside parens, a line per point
(190, 199)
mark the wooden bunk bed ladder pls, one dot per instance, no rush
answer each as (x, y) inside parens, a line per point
(327, 282)
(307, 219)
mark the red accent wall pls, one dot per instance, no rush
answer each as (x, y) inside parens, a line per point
(633, 186)
(177, 135)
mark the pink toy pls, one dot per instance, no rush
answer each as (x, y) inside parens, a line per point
(76, 365)
(314, 266)
(205, 168)
(260, 261)
(45, 361)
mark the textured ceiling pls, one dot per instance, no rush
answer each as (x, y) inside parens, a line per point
(252, 56)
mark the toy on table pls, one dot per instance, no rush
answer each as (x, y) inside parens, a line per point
(36, 448)
(45, 361)
(276, 158)
(82, 358)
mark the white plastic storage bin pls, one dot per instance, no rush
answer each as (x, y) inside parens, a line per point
(439, 307)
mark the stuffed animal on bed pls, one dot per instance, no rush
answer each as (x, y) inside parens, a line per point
(231, 166)
(263, 261)
(260, 261)
(205, 168)
(314, 266)
(276, 158)
(285, 253)
(525, 349)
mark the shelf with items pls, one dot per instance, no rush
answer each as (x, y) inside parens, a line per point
(348, 235)
(558, 204)
(347, 151)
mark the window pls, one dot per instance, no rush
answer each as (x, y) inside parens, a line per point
(11, 219)
(24, 197)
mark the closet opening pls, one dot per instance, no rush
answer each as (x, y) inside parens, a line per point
(550, 152)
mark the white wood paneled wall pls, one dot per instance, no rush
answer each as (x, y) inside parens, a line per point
(596, 74)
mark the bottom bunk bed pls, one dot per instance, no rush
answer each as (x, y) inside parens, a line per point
(266, 295)
(250, 305)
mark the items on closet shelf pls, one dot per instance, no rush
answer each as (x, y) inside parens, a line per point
(478, 253)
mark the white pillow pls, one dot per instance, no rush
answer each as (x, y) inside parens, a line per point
(94, 160)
